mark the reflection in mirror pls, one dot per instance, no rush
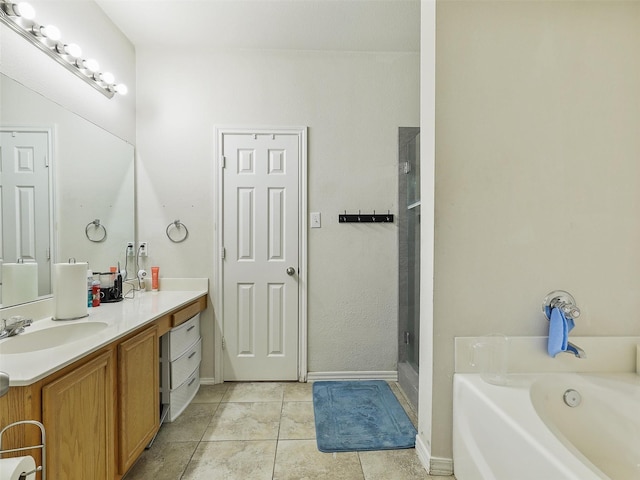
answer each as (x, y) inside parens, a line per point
(25, 153)
(87, 176)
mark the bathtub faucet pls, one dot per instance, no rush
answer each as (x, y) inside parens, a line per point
(559, 328)
(576, 350)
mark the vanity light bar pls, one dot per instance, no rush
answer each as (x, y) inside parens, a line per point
(20, 16)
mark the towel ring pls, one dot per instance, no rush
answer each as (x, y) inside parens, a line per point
(178, 225)
(96, 223)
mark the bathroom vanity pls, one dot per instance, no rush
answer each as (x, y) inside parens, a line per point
(98, 396)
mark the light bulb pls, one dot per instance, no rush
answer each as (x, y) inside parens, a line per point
(90, 64)
(51, 32)
(107, 78)
(73, 50)
(24, 10)
(121, 88)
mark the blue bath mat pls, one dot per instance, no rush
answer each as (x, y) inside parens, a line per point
(358, 416)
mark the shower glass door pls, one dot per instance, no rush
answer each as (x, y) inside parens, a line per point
(409, 261)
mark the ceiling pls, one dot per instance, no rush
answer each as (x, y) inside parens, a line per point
(338, 25)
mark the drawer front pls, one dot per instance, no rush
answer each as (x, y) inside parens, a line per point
(184, 365)
(189, 311)
(180, 338)
(180, 398)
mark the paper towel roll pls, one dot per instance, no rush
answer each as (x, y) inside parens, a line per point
(12, 468)
(19, 283)
(69, 290)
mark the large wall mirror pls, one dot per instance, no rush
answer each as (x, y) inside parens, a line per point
(67, 188)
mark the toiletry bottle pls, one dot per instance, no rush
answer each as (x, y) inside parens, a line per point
(95, 290)
(155, 271)
(114, 271)
(89, 288)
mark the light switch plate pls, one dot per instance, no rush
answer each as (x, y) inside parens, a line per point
(315, 220)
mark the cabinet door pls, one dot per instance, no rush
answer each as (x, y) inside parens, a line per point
(78, 414)
(138, 388)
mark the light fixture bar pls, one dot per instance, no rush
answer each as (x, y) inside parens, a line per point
(107, 91)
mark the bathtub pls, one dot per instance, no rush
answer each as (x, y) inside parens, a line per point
(525, 429)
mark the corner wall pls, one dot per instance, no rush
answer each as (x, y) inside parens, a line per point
(537, 173)
(427, 227)
(353, 104)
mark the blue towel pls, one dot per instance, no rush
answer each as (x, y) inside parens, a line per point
(559, 328)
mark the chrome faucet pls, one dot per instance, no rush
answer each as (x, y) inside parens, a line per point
(14, 326)
(565, 302)
(576, 350)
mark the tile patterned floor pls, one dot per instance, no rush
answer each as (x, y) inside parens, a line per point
(262, 431)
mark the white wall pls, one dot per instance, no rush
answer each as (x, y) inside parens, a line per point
(353, 104)
(537, 173)
(427, 227)
(84, 23)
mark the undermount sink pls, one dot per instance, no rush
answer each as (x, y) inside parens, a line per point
(50, 337)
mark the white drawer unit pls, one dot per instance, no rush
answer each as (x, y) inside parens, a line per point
(182, 337)
(181, 353)
(181, 368)
(180, 398)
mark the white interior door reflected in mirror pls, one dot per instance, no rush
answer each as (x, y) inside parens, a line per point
(26, 214)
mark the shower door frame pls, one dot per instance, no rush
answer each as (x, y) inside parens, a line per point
(407, 368)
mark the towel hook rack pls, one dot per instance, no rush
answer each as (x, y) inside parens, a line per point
(177, 225)
(97, 226)
(365, 217)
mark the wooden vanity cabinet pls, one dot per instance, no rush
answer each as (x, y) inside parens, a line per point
(101, 415)
(78, 411)
(99, 412)
(138, 386)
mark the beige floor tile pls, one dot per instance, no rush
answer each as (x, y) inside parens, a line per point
(297, 422)
(189, 426)
(244, 421)
(298, 392)
(300, 459)
(211, 393)
(239, 441)
(254, 392)
(236, 460)
(163, 462)
(406, 405)
(392, 465)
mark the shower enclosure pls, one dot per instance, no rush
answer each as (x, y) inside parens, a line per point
(409, 261)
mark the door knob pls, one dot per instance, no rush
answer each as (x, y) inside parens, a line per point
(291, 271)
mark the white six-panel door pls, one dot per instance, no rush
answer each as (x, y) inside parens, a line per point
(24, 212)
(261, 256)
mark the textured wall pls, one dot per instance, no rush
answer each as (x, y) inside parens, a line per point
(353, 105)
(537, 147)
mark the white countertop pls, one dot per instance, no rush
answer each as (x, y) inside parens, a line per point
(121, 318)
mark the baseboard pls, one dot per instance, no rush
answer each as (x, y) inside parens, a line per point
(433, 465)
(423, 453)
(389, 376)
(441, 466)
